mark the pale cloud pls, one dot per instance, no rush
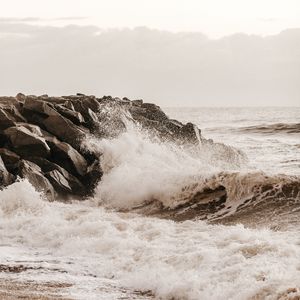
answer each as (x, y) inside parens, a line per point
(186, 69)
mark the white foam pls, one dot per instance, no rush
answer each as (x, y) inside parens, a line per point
(138, 170)
(190, 260)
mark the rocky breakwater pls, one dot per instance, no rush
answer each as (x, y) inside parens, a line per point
(42, 138)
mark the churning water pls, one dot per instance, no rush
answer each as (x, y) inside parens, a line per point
(101, 249)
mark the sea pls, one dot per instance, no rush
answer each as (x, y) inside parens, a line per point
(103, 248)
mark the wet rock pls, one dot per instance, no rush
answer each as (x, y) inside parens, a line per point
(27, 142)
(149, 111)
(65, 130)
(59, 182)
(190, 133)
(93, 175)
(44, 108)
(67, 157)
(70, 114)
(34, 175)
(138, 102)
(77, 188)
(20, 97)
(5, 177)
(6, 119)
(10, 159)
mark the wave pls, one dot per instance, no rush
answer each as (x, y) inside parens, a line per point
(199, 182)
(273, 128)
(101, 253)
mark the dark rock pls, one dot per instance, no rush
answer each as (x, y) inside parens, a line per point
(149, 111)
(77, 188)
(137, 102)
(88, 107)
(33, 174)
(70, 114)
(10, 159)
(59, 182)
(44, 108)
(27, 140)
(65, 130)
(190, 133)
(20, 97)
(67, 157)
(13, 110)
(93, 176)
(5, 177)
(6, 119)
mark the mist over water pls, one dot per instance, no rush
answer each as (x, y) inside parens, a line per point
(108, 254)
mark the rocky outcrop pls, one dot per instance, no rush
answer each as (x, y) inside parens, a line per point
(34, 175)
(42, 138)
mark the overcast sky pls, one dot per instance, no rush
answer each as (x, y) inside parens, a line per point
(182, 53)
(214, 18)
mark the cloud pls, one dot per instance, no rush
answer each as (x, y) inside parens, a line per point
(268, 20)
(186, 69)
(41, 20)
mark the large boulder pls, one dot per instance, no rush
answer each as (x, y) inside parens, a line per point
(34, 175)
(6, 119)
(149, 111)
(59, 182)
(5, 177)
(27, 140)
(10, 159)
(88, 108)
(65, 130)
(69, 184)
(70, 114)
(49, 119)
(67, 157)
(32, 103)
(93, 176)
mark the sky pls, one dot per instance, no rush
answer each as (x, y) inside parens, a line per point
(214, 18)
(172, 52)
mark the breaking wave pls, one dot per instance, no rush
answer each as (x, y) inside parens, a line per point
(107, 240)
(88, 247)
(199, 182)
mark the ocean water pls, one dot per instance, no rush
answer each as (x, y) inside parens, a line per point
(102, 249)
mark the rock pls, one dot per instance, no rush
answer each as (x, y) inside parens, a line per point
(42, 107)
(27, 142)
(6, 119)
(34, 175)
(93, 175)
(14, 112)
(65, 130)
(70, 114)
(5, 177)
(20, 97)
(76, 186)
(88, 108)
(54, 122)
(59, 182)
(10, 159)
(149, 111)
(67, 157)
(190, 133)
(137, 102)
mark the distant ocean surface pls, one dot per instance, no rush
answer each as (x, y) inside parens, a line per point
(92, 250)
(270, 136)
